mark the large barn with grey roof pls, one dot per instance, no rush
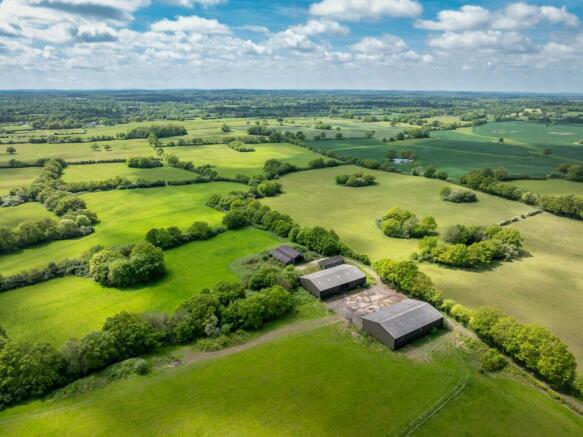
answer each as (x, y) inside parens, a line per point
(402, 323)
(334, 280)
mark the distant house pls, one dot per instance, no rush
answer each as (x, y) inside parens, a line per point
(402, 323)
(333, 261)
(287, 255)
(334, 280)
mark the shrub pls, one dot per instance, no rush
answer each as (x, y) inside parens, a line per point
(165, 238)
(235, 219)
(192, 317)
(269, 188)
(461, 314)
(399, 223)
(143, 162)
(356, 180)
(458, 196)
(405, 275)
(200, 231)
(493, 361)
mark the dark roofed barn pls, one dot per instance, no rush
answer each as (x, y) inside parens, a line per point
(329, 282)
(287, 255)
(333, 261)
(402, 323)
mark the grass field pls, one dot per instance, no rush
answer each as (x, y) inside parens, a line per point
(314, 198)
(320, 382)
(230, 163)
(70, 307)
(100, 172)
(12, 216)
(16, 177)
(125, 217)
(552, 187)
(545, 286)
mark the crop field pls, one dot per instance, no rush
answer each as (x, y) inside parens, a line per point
(268, 390)
(16, 177)
(551, 187)
(314, 198)
(230, 163)
(126, 216)
(537, 134)
(99, 172)
(26, 212)
(71, 307)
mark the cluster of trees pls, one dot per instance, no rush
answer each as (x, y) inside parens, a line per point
(400, 223)
(533, 346)
(268, 189)
(165, 131)
(203, 170)
(429, 172)
(488, 180)
(197, 141)
(238, 146)
(59, 139)
(128, 265)
(242, 209)
(274, 168)
(356, 180)
(412, 133)
(571, 172)
(166, 238)
(30, 233)
(143, 162)
(457, 196)
(471, 246)
(28, 370)
(403, 154)
(320, 163)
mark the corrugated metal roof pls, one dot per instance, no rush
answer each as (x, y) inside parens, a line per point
(289, 251)
(405, 317)
(334, 277)
(333, 260)
(286, 254)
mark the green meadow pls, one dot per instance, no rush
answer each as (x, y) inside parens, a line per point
(99, 172)
(551, 187)
(229, 163)
(57, 310)
(125, 217)
(544, 286)
(14, 215)
(319, 382)
(16, 177)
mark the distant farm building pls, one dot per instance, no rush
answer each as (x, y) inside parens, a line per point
(287, 255)
(334, 280)
(402, 323)
(333, 261)
(402, 161)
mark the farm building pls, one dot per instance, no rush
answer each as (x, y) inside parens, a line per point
(402, 323)
(333, 261)
(334, 280)
(287, 255)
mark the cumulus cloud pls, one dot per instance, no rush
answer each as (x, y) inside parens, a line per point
(357, 10)
(192, 24)
(514, 16)
(192, 3)
(388, 49)
(491, 40)
(315, 27)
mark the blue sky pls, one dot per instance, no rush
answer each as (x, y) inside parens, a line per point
(494, 45)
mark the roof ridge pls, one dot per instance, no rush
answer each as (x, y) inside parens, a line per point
(418, 305)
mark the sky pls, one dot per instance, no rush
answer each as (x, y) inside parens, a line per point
(496, 45)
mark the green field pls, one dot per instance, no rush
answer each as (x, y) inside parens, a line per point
(544, 286)
(463, 150)
(16, 177)
(551, 187)
(70, 307)
(100, 172)
(14, 215)
(230, 163)
(313, 198)
(319, 382)
(125, 217)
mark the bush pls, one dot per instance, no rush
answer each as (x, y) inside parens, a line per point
(143, 162)
(269, 188)
(192, 317)
(493, 361)
(165, 238)
(405, 275)
(461, 314)
(235, 219)
(200, 231)
(458, 196)
(399, 223)
(356, 180)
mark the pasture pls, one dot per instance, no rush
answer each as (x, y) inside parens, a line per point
(229, 163)
(99, 172)
(12, 216)
(16, 177)
(551, 187)
(270, 389)
(313, 198)
(57, 310)
(125, 217)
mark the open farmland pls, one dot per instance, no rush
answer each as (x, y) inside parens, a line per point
(71, 307)
(265, 391)
(99, 172)
(551, 187)
(125, 217)
(26, 212)
(16, 177)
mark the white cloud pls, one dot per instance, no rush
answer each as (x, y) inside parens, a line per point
(357, 10)
(191, 24)
(192, 3)
(489, 40)
(468, 17)
(256, 29)
(315, 27)
(388, 49)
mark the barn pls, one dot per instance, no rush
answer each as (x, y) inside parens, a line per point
(333, 261)
(402, 323)
(287, 255)
(329, 282)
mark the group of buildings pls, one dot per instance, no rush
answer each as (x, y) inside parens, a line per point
(395, 326)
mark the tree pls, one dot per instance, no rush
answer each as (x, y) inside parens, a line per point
(10, 150)
(132, 334)
(94, 147)
(193, 316)
(547, 152)
(225, 128)
(339, 136)
(235, 219)
(153, 140)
